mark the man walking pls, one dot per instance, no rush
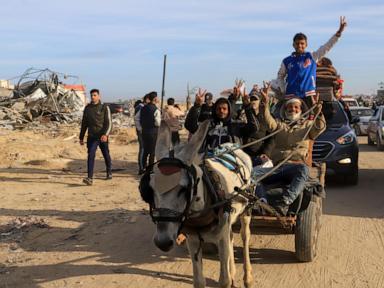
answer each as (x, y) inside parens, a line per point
(150, 119)
(97, 120)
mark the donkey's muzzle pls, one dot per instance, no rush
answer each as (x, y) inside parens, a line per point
(164, 244)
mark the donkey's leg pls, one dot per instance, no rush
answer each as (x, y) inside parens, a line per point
(225, 280)
(195, 251)
(246, 236)
(232, 265)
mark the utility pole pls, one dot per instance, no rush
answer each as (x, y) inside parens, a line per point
(189, 102)
(162, 88)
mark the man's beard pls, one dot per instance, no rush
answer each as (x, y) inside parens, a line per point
(292, 116)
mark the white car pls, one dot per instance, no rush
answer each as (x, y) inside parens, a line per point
(364, 114)
(351, 102)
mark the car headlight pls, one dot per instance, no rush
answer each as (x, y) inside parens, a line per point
(346, 138)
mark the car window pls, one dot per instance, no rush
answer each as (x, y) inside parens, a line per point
(382, 115)
(350, 102)
(375, 114)
(361, 112)
(334, 114)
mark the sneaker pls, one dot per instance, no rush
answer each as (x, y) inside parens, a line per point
(109, 176)
(88, 181)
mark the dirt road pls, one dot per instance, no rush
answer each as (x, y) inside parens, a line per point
(100, 236)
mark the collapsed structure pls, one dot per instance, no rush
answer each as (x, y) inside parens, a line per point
(41, 95)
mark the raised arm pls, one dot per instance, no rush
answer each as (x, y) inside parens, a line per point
(269, 120)
(320, 123)
(331, 42)
(192, 119)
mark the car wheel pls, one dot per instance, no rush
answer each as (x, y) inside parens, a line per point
(379, 143)
(353, 177)
(370, 142)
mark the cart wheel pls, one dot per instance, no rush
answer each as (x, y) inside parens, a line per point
(307, 231)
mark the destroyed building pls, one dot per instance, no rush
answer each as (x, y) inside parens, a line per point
(41, 94)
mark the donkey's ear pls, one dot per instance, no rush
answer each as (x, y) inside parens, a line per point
(163, 142)
(191, 149)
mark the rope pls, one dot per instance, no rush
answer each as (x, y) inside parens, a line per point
(292, 123)
(285, 160)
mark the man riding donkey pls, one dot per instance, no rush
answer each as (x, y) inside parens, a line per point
(182, 200)
(226, 128)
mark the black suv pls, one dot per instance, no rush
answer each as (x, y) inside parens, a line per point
(337, 146)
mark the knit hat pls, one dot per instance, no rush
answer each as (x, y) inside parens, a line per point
(292, 101)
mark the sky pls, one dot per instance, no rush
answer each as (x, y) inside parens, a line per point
(118, 46)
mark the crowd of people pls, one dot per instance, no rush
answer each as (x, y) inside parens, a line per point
(240, 118)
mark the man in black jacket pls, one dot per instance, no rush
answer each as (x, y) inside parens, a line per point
(261, 130)
(223, 128)
(226, 129)
(150, 119)
(97, 120)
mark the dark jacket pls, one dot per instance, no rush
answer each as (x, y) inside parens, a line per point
(199, 112)
(227, 130)
(236, 107)
(148, 116)
(97, 120)
(263, 147)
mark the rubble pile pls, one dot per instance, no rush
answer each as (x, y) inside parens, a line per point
(41, 96)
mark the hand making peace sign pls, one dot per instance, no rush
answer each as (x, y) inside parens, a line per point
(343, 24)
(200, 96)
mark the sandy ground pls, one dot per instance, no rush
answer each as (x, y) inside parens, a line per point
(101, 236)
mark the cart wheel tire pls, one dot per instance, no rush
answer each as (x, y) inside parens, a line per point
(352, 178)
(307, 231)
(370, 142)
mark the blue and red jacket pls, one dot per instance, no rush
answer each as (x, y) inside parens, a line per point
(301, 75)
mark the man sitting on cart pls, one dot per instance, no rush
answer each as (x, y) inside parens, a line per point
(291, 144)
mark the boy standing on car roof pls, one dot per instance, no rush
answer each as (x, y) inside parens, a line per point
(97, 120)
(297, 74)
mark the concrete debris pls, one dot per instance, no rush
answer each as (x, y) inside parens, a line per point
(43, 100)
(41, 96)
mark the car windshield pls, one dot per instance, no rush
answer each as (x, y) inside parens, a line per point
(350, 103)
(334, 114)
(361, 112)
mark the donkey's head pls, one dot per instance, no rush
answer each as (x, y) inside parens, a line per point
(173, 184)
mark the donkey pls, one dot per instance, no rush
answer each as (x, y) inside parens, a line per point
(180, 202)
